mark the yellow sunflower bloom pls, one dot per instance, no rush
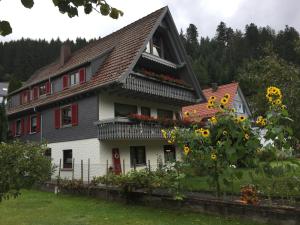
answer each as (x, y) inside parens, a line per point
(213, 98)
(241, 118)
(205, 133)
(186, 113)
(186, 150)
(213, 157)
(247, 136)
(224, 101)
(227, 96)
(213, 120)
(278, 102)
(283, 107)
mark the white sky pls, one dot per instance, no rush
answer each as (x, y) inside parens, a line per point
(45, 22)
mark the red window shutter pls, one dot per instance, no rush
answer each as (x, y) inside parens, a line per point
(74, 114)
(22, 126)
(48, 87)
(13, 128)
(57, 118)
(28, 124)
(82, 75)
(35, 93)
(38, 122)
(65, 82)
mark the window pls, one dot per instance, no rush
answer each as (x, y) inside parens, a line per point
(74, 78)
(33, 124)
(164, 114)
(42, 90)
(157, 46)
(137, 156)
(66, 116)
(169, 153)
(145, 111)
(67, 159)
(123, 110)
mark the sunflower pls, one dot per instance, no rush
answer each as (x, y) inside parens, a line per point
(283, 107)
(241, 118)
(227, 96)
(211, 102)
(213, 120)
(213, 98)
(205, 133)
(213, 157)
(186, 113)
(278, 102)
(186, 150)
(164, 134)
(209, 106)
(222, 107)
(247, 136)
(224, 101)
(259, 119)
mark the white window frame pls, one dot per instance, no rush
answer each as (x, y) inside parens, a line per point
(31, 124)
(75, 77)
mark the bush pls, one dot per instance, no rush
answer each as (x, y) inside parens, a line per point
(22, 165)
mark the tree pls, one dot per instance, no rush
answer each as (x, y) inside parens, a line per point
(14, 84)
(71, 8)
(22, 165)
(256, 75)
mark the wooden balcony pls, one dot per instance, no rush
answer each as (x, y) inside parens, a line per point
(142, 85)
(123, 128)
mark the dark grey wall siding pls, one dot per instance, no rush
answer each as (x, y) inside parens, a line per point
(87, 115)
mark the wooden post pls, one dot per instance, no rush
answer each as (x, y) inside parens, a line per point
(73, 168)
(149, 165)
(106, 167)
(59, 168)
(88, 171)
(82, 170)
(124, 166)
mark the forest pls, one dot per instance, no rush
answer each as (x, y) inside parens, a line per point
(256, 57)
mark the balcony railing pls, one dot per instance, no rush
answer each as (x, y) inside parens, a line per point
(149, 86)
(123, 128)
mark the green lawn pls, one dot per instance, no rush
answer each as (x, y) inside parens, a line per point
(41, 208)
(198, 183)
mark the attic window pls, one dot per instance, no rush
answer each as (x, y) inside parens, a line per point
(155, 46)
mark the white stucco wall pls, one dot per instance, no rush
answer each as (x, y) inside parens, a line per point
(154, 150)
(81, 150)
(106, 105)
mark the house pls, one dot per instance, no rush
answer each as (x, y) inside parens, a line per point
(102, 103)
(3, 91)
(236, 101)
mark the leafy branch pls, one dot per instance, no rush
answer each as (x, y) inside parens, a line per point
(71, 8)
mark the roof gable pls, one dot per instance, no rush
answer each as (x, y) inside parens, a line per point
(201, 109)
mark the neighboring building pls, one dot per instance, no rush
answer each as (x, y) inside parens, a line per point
(3, 91)
(236, 101)
(81, 104)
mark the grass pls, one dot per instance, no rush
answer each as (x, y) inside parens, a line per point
(198, 183)
(41, 208)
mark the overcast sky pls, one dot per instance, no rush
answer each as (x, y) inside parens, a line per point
(45, 22)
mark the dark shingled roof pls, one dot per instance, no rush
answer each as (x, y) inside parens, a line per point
(126, 45)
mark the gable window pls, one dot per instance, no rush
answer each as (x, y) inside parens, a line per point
(33, 124)
(164, 114)
(157, 46)
(66, 116)
(67, 159)
(18, 127)
(169, 153)
(124, 110)
(137, 156)
(74, 78)
(42, 90)
(145, 111)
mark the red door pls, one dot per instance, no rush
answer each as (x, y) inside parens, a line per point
(116, 161)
